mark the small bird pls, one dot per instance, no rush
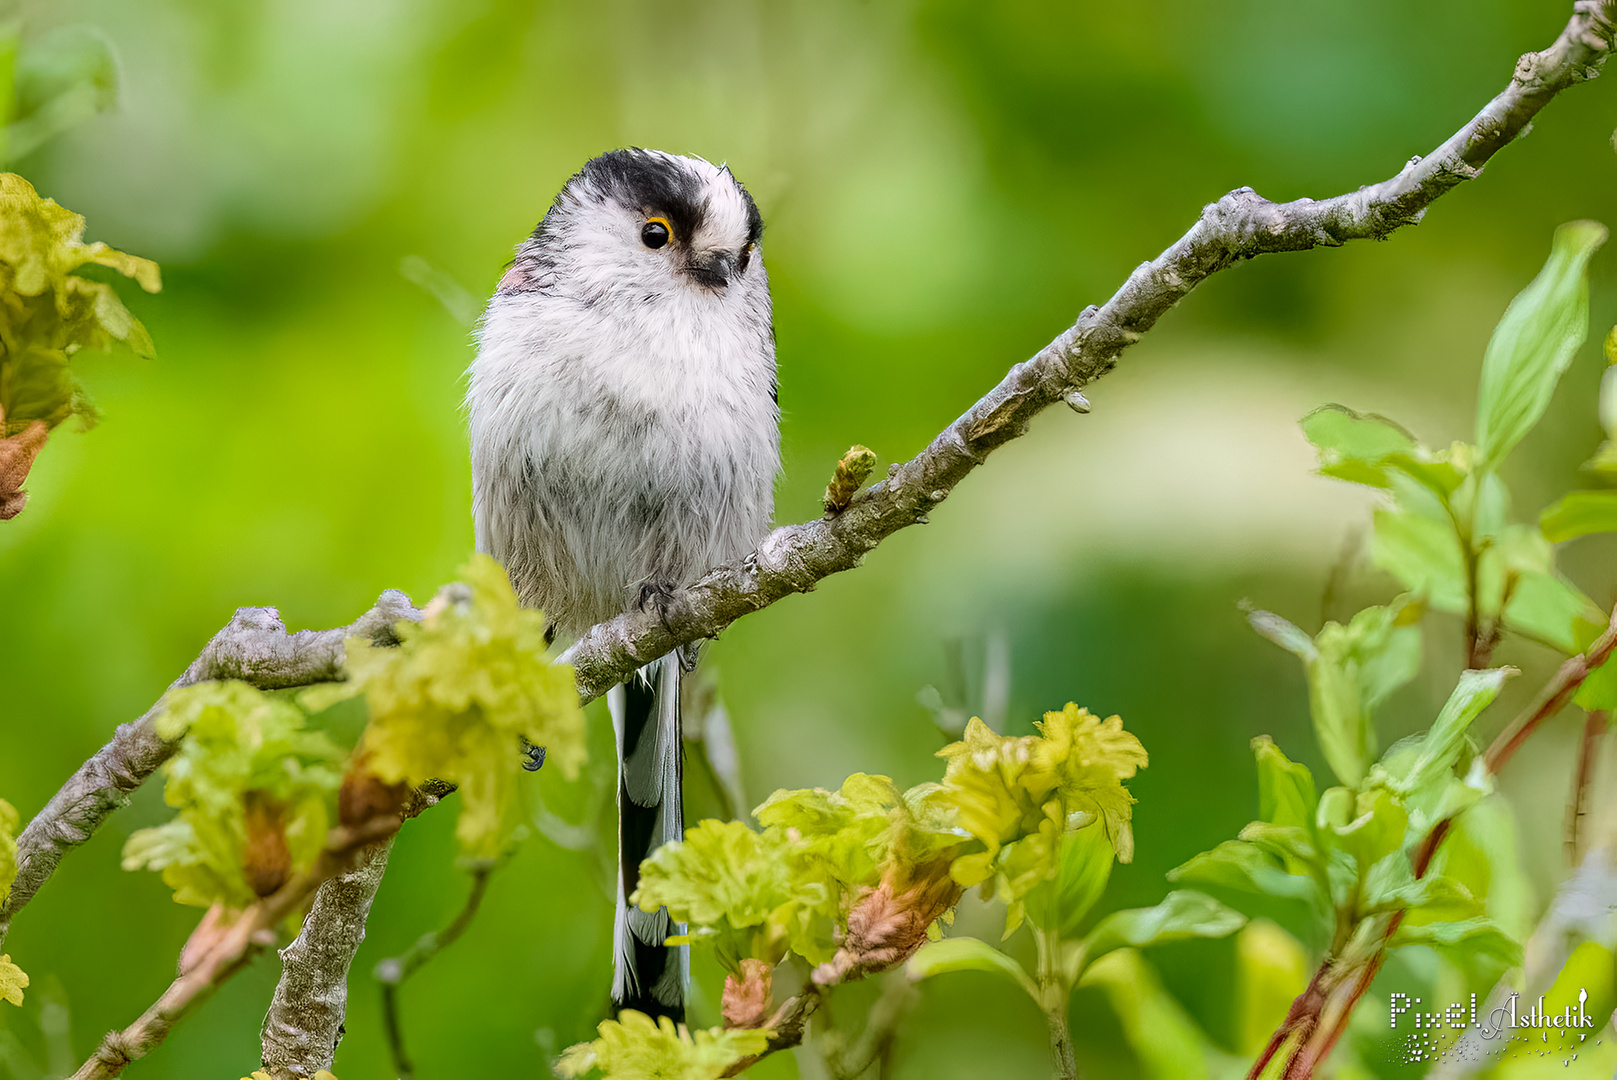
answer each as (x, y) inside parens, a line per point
(625, 438)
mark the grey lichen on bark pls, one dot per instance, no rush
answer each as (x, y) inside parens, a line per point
(1240, 226)
(253, 647)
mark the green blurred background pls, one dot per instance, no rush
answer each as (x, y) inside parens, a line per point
(946, 185)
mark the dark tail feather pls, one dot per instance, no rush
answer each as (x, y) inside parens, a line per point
(650, 976)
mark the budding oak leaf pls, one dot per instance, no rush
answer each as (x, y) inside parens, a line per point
(13, 981)
(48, 313)
(633, 1047)
(867, 827)
(456, 697)
(1019, 796)
(253, 788)
(751, 894)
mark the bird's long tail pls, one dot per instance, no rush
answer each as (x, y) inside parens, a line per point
(650, 976)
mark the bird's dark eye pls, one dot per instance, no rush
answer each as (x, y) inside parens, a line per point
(655, 233)
(746, 258)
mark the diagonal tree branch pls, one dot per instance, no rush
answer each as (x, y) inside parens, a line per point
(255, 648)
(1237, 227)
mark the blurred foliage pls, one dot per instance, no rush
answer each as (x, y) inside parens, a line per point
(945, 185)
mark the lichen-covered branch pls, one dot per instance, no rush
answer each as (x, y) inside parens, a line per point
(1240, 226)
(255, 648)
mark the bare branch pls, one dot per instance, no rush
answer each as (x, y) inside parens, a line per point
(255, 648)
(1237, 227)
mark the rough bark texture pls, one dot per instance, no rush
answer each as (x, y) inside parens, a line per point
(1237, 227)
(305, 1018)
(255, 648)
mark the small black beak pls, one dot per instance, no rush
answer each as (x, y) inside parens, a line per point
(712, 269)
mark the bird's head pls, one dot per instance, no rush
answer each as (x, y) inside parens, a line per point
(636, 225)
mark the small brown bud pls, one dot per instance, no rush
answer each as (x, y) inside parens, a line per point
(746, 999)
(267, 860)
(851, 473)
(886, 927)
(364, 796)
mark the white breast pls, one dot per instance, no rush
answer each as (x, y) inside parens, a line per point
(621, 439)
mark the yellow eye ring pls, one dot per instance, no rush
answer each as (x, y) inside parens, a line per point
(656, 232)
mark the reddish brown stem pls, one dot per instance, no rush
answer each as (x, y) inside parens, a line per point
(1594, 726)
(1553, 698)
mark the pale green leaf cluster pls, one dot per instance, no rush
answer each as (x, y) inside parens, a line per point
(48, 312)
(455, 698)
(239, 746)
(760, 894)
(1019, 797)
(1037, 820)
(747, 893)
(1346, 854)
(633, 1047)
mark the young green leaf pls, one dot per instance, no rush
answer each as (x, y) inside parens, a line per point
(1019, 796)
(1083, 866)
(1464, 941)
(1424, 554)
(1368, 825)
(1579, 513)
(1181, 914)
(634, 1047)
(751, 894)
(1534, 343)
(1355, 446)
(1436, 754)
(1285, 787)
(49, 312)
(1351, 669)
(13, 981)
(1245, 867)
(967, 954)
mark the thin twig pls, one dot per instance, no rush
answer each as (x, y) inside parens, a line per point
(1240, 226)
(786, 1026)
(1594, 727)
(255, 648)
(1553, 698)
(392, 972)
